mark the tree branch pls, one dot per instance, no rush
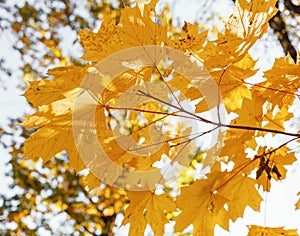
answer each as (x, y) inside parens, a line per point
(220, 124)
(278, 25)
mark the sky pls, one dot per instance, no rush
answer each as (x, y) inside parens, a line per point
(278, 208)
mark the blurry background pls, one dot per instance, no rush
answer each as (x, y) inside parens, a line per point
(51, 199)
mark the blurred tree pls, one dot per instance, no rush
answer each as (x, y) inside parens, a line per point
(50, 198)
(285, 26)
(44, 33)
(39, 28)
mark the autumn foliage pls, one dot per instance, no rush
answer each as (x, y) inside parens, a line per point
(249, 115)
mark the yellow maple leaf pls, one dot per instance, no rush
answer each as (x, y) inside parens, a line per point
(190, 38)
(282, 82)
(250, 18)
(235, 143)
(248, 22)
(135, 28)
(276, 121)
(46, 91)
(55, 100)
(264, 182)
(272, 165)
(255, 230)
(204, 208)
(97, 45)
(251, 112)
(281, 158)
(207, 198)
(185, 86)
(230, 77)
(227, 58)
(241, 192)
(146, 207)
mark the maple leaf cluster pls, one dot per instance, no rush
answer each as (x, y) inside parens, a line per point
(129, 135)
